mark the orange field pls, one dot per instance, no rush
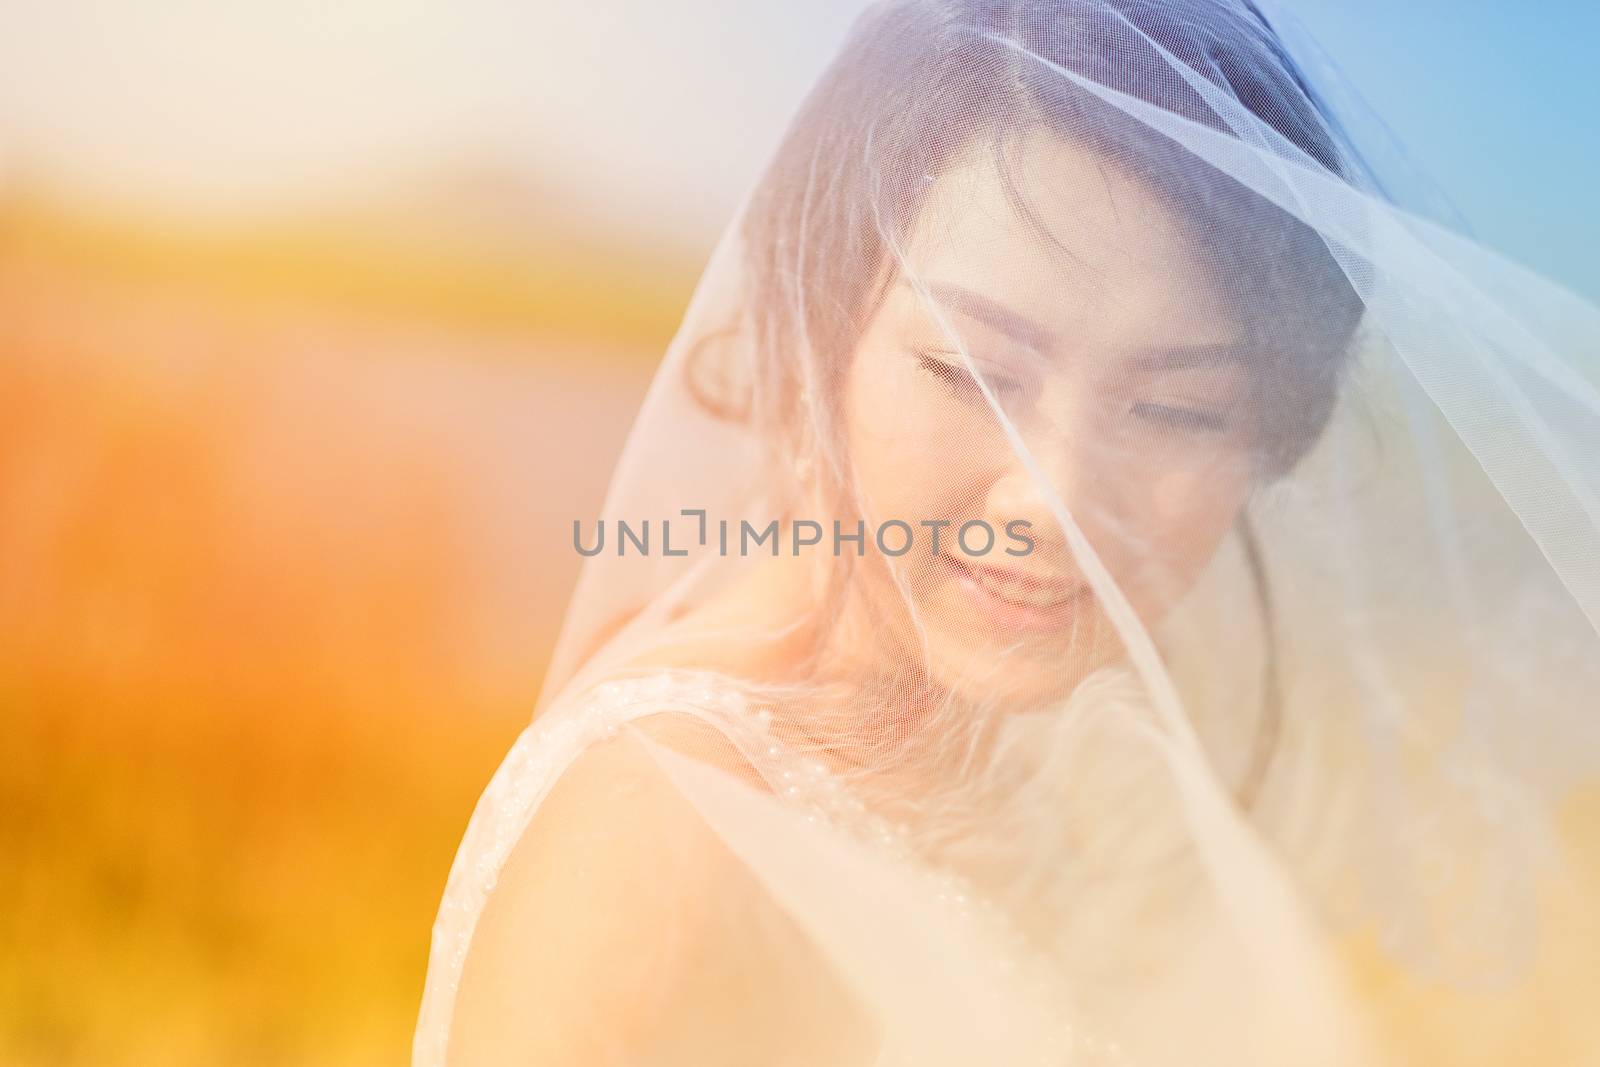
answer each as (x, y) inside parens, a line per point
(279, 567)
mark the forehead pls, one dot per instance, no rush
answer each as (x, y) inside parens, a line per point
(1069, 240)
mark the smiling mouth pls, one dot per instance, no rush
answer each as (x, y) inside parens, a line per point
(1016, 600)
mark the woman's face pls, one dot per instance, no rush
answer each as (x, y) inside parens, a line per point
(1112, 355)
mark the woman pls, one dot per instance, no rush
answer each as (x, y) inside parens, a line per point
(1099, 545)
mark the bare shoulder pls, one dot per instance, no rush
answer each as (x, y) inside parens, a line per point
(622, 930)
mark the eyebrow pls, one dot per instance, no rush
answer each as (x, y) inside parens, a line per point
(1189, 357)
(1035, 335)
(991, 313)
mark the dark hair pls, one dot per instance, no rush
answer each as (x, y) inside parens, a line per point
(918, 82)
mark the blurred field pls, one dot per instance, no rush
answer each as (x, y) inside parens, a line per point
(281, 526)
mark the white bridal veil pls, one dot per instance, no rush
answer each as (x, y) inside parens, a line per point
(1140, 584)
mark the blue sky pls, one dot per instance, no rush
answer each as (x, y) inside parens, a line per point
(1499, 101)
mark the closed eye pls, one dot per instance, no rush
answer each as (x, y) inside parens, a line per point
(1177, 417)
(961, 381)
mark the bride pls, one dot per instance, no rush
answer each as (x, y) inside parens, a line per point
(1129, 598)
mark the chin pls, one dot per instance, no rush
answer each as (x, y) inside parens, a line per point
(986, 662)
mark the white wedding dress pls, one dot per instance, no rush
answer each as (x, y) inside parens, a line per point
(803, 784)
(855, 882)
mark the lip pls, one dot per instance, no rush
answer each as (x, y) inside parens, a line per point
(1009, 614)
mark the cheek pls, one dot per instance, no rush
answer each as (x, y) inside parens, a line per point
(913, 456)
(1187, 512)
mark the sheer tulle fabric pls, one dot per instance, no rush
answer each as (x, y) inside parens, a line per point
(1305, 645)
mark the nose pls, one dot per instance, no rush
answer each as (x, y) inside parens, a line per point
(1063, 467)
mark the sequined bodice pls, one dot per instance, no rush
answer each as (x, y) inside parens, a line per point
(547, 747)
